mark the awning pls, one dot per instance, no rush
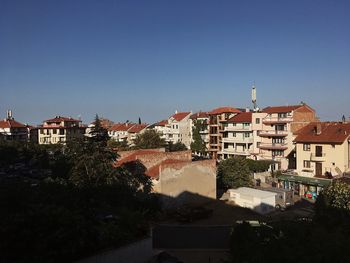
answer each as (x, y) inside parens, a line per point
(305, 180)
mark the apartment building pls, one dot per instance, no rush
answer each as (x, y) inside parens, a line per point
(238, 136)
(160, 128)
(202, 120)
(322, 154)
(60, 130)
(12, 130)
(178, 129)
(126, 132)
(217, 118)
(279, 128)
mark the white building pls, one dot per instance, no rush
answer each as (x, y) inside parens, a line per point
(178, 129)
(260, 201)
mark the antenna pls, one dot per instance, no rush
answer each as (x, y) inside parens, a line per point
(254, 96)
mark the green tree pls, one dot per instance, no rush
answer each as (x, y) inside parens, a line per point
(150, 139)
(258, 166)
(175, 147)
(234, 173)
(98, 133)
(120, 146)
(198, 144)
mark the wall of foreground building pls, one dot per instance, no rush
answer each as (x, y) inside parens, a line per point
(187, 182)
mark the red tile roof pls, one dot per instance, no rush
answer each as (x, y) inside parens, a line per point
(161, 123)
(199, 115)
(241, 117)
(223, 110)
(330, 132)
(133, 156)
(121, 126)
(281, 109)
(59, 119)
(10, 123)
(137, 128)
(180, 115)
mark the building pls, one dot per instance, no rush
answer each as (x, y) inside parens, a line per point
(279, 128)
(174, 174)
(217, 117)
(202, 120)
(178, 129)
(126, 132)
(12, 130)
(60, 130)
(322, 154)
(160, 128)
(260, 201)
(238, 136)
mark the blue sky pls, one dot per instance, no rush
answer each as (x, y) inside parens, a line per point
(125, 59)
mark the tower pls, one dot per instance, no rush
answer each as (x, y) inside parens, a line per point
(255, 108)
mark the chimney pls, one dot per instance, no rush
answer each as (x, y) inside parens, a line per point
(9, 114)
(175, 111)
(318, 129)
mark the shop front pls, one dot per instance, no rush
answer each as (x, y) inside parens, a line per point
(308, 187)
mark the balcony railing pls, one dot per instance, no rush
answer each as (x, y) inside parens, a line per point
(318, 157)
(238, 129)
(273, 146)
(236, 152)
(272, 133)
(238, 139)
(277, 120)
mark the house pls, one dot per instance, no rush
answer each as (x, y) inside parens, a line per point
(237, 136)
(12, 130)
(280, 125)
(260, 201)
(174, 173)
(178, 129)
(322, 154)
(60, 130)
(217, 117)
(160, 128)
(126, 132)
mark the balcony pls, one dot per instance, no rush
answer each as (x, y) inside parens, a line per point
(320, 157)
(238, 139)
(273, 146)
(272, 133)
(238, 129)
(236, 152)
(277, 120)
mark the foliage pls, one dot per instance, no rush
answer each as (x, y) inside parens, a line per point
(98, 133)
(234, 173)
(258, 166)
(289, 241)
(333, 204)
(150, 139)
(175, 147)
(198, 145)
(120, 146)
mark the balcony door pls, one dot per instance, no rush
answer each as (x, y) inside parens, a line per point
(318, 168)
(318, 151)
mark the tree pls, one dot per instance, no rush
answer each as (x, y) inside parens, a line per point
(120, 146)
(175, 147)
(198, 144)
(234, 173)
(98, 133)
(258, 166)
(149, 139)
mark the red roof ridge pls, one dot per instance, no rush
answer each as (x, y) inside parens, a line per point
(226, 109)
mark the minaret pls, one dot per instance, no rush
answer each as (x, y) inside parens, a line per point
(255, 108)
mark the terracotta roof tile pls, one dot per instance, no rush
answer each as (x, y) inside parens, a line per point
(200, 114)
(59, 119)
(281, 109)
(180, 115)
(10, 123)
(330, 132)
(121, 126)
(137, 128)
(241, 117)
(224, 110)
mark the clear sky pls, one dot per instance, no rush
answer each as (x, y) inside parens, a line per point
(125, 59)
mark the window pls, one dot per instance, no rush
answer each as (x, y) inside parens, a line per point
(257, 121)
(61, 131)
(307, 164)
(306, 147)
(282, 115)
(234, 124)
(54, 131)
(233, 134)
(246, 124)
(41, 131)
(225, 145)
(277, 153)
(246, 135)
(258, 144)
